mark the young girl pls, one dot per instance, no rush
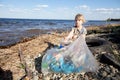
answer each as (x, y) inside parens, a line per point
(78, 28)
(75, 57)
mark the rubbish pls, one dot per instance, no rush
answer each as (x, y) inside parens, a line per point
(75, 57)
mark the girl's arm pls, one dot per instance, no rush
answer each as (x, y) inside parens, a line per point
(69, 36)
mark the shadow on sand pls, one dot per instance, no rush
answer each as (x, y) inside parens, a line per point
(5, 74)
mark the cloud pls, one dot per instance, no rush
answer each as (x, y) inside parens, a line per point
(39, 7)
(42, 6)
(107, 10)
(85, 7)
(18, 10)
(1, 5)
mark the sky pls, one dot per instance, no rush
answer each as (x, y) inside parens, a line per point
(60, 9)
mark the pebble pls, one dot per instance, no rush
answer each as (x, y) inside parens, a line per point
(104, 74)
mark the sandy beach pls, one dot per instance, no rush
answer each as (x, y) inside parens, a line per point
(32, 49)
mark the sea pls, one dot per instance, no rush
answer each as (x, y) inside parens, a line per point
(13, 31)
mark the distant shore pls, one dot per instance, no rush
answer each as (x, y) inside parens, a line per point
(113, 19)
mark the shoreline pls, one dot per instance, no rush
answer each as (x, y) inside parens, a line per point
(28, 35)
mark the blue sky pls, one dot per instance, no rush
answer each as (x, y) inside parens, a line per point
(60, 9)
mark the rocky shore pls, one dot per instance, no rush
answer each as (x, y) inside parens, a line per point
(102, 41)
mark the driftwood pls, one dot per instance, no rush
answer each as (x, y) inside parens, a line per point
(28, 72)
(110, 60)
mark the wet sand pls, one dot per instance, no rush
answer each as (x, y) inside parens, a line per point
(8, 39)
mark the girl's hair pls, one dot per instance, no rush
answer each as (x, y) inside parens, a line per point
(80, 16)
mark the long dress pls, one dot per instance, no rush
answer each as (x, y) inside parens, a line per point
(76, 57)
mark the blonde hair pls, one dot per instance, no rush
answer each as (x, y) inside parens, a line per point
(80, 16)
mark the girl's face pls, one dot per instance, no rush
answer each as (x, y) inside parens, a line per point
(78, 22)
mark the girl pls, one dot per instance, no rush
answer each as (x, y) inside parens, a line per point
(75, 57)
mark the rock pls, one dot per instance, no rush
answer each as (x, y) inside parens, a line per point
(110, 60)
(114, 78)
(35, 75)
(117, 75)
(103, 52)
(107, 78)
(113, 70)
(115, 52)
(54, 76)
(107, 69)
(46, 78)
(86, 78)
(104, 74)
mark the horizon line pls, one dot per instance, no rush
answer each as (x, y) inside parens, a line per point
(49, 19)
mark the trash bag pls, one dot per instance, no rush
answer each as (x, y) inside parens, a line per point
(75, 57)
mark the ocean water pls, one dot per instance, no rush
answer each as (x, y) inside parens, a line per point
(14, 30)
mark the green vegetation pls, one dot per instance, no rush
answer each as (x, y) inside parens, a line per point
(104, 29)
(110, 19)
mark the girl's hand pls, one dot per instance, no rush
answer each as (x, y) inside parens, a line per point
(64, 41)
(74, 37)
